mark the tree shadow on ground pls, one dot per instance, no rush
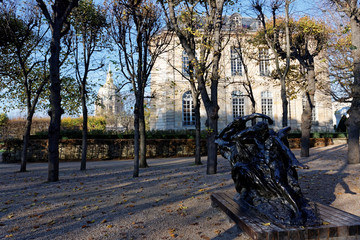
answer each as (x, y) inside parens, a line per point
(328, 170)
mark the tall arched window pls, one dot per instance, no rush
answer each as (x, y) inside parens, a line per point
(264, 62)
(267, 103)
(188, 110)
(236, 64)
(185, 63)
(314, 111)
(238, 104)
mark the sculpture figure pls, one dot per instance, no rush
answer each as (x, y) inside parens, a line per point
(264, 171)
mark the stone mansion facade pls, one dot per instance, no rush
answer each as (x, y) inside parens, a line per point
(172, 108)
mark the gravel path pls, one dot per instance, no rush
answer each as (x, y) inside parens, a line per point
(170, 200)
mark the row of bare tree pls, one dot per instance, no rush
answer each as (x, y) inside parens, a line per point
(35, 52)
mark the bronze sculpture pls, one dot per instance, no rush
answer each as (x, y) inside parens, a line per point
(264, 171)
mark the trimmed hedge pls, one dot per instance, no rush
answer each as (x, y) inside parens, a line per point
(99, 134)
(161, 134)
(320, 135)
(3, 119)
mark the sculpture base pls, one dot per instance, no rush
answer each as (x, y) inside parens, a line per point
(336, 224)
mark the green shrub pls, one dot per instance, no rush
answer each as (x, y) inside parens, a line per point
(3, 119)
(94, 123)
(342, 135)
(320, 135)
(316, 135)
(294, 135)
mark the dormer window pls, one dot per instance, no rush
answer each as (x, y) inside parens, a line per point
(235, 21)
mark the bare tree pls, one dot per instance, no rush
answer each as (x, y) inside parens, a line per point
(352, 10)
(307, 38)
(191, 21)
(23, 58)
(274, 40)
(137, 30)
(209, 38)
(340, 66)
(57, 20)
(89, 24)
(244, 52)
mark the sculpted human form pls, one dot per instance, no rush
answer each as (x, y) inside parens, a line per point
(264, 171)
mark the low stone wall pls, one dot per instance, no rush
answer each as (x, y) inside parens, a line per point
(104, 149)
(101, 149)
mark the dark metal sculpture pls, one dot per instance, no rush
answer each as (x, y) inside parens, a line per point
(264, 171)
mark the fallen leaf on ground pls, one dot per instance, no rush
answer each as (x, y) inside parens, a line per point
(51, 222)
(172, 232)
(14, 229)
(8, 202)
(205, 237)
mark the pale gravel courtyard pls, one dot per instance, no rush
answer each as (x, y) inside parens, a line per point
(170, 200)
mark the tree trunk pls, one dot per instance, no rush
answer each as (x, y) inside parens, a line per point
(306, 117)
(305, 131)
(84, 128)
(197, 132)
(253, 110)
(353, 123)
(213, 108)
(353, 142)
(136, 141)
(26, 142)
(211, 145)
(142, 133)
(284, 102)
(55, 102)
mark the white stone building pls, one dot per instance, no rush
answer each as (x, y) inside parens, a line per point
(109, 104)
(172, 108)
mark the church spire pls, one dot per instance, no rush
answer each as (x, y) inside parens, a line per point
(109, 78)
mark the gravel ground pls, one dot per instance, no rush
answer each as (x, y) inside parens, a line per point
(170, 199)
